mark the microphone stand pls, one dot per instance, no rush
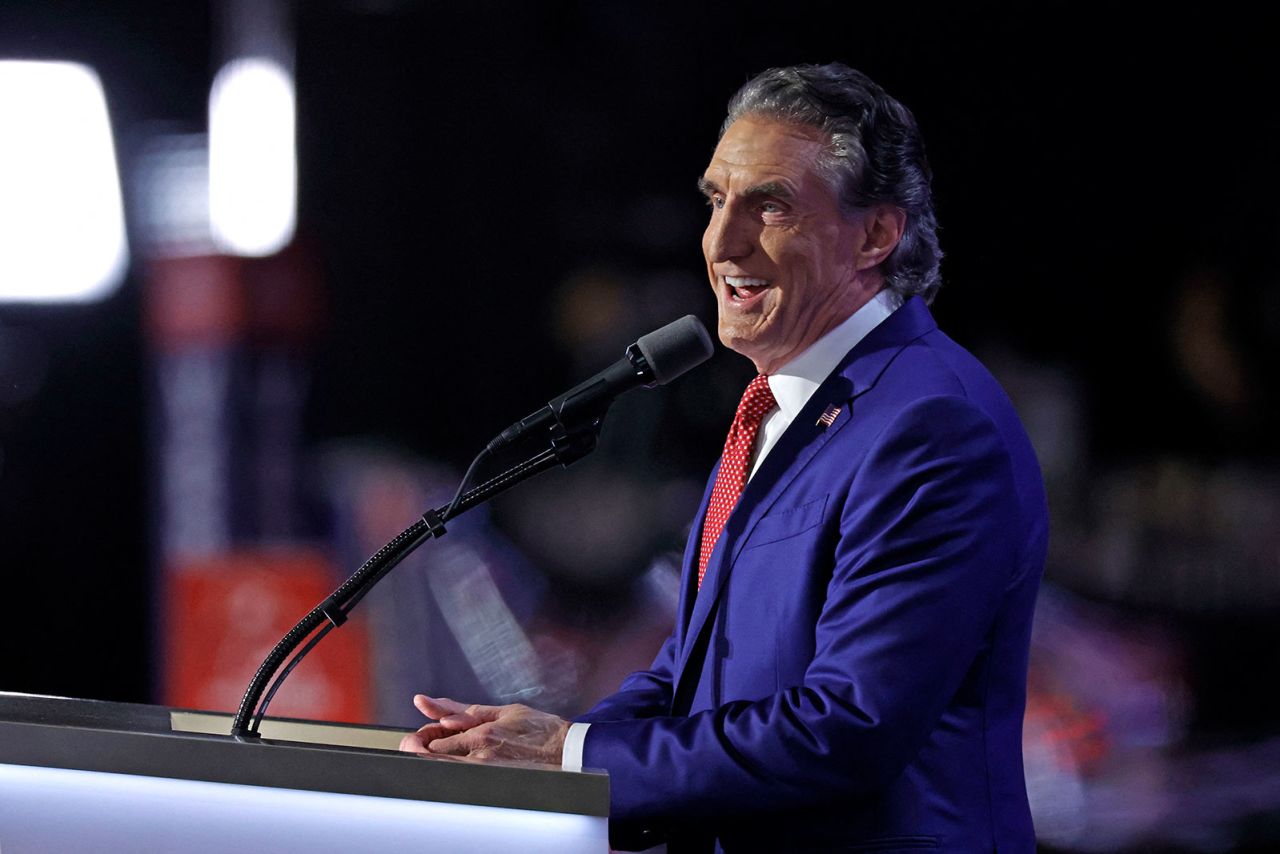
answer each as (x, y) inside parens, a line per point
(567, 446)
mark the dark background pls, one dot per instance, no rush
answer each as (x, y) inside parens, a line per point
(460, 162)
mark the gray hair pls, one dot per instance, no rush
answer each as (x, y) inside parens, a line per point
(875, 155)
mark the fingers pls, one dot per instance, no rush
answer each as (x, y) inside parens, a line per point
(430, 732)
(442, 706)
(413, 743)
(453, 733)
(461, 744)
(452, 718)
(417, 742)
(514, 732)
(437, 707)
(455, 715)
(436, 739)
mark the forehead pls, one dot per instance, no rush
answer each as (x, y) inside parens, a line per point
(756, 149)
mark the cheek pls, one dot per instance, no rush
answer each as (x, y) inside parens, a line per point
(794, 253)
(813, 271)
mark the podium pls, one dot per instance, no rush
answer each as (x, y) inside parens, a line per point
(86, 775)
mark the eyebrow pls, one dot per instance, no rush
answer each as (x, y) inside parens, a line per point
(776, 189)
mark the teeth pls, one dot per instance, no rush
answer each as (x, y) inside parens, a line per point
(745, 282)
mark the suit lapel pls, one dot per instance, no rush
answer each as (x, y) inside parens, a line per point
(795, 448)
(802, 440)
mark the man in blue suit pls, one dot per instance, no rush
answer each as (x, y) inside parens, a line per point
(848, 666)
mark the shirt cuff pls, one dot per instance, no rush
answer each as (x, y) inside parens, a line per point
(574, 740)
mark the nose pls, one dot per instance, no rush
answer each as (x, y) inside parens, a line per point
(728, 236)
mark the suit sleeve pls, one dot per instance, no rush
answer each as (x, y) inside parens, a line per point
(926, 547)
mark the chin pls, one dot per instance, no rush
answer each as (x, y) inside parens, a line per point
(740, 345)
(731, 337)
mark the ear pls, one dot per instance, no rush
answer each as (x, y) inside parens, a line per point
(883, 225)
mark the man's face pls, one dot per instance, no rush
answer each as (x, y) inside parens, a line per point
(785, 264)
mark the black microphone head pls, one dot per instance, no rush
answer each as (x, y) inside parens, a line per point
(675, 348)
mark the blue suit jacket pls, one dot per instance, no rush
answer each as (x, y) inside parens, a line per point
(852, 675)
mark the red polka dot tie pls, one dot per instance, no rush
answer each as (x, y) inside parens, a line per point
(756, 401)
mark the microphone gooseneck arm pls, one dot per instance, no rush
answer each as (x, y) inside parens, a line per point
(333, 611)
(572, 425)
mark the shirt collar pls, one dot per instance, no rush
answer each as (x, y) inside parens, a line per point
(796, 381)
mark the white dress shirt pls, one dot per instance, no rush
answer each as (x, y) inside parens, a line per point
(792, 386)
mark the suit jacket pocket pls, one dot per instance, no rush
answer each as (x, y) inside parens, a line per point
(782, 524)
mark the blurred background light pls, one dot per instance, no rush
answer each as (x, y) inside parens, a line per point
(62, 233)
(252, 160)
(171, 186)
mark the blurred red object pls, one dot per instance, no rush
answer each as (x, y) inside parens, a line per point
(223, 615)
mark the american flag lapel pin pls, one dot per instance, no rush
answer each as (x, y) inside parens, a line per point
(828, 416)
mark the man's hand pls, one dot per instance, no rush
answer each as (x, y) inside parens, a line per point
(487, 732)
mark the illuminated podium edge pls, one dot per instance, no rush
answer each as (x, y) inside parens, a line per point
(126, 738)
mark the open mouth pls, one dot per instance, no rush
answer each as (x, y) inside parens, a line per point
(745, 289)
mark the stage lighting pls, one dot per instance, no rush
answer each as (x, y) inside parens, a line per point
(252, 164)
(62, 234)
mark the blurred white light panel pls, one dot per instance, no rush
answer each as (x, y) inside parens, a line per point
(252, 161)
(62, 236)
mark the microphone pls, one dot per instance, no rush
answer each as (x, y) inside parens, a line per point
(654, 359)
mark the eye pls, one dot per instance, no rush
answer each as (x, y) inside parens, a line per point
(770, 207)
(716, 201)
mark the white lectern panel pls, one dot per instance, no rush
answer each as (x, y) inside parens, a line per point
(53, 809)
